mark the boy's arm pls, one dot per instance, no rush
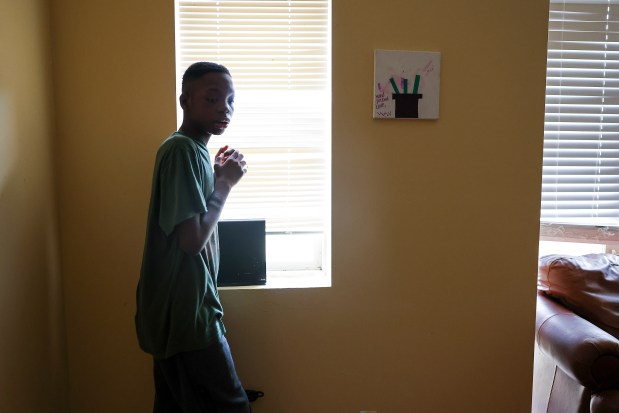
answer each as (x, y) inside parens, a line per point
(194, 232)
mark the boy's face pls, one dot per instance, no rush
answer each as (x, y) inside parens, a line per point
(208, 103)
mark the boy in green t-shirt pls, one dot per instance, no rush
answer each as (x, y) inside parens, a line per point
(179, 315)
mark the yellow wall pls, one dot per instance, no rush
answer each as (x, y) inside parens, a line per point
(435, 223)
(32, 369)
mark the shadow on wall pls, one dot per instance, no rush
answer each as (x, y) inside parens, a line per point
(7, 136)
(33, 346)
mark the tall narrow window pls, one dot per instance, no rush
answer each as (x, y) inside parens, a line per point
(580, 190)
(279, 55)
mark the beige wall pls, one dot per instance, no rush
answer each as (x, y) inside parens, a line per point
(434, 222)
(32, 372)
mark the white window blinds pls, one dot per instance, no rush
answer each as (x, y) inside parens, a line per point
(581, 138)
(279, 56)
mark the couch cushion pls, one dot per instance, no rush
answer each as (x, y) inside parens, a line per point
(588, 285)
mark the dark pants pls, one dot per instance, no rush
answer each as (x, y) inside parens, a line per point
(203, 381)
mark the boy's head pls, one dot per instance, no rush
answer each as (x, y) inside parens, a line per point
(207, 99)
(199, 69)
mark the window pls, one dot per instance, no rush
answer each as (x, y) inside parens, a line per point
(580, 184)
(279, 55)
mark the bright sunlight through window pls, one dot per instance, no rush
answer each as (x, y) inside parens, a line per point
(279, 55)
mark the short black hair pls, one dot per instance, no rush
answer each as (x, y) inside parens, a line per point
(199, 69)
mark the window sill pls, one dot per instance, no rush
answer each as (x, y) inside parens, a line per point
(288, 279)
(579, 233)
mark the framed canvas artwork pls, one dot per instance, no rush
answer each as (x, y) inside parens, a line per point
(406, 84)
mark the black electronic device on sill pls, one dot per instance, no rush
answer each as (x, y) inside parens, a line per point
(242, 252)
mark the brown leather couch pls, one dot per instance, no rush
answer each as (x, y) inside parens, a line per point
(576, 366)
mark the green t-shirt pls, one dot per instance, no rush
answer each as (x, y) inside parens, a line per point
(178, 307)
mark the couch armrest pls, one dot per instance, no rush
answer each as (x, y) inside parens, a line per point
(582, 350)
(605, 402)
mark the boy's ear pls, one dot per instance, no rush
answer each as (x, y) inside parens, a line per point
(183, 101)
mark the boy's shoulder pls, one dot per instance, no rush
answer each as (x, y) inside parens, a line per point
(178, 140)
(180, 147)
(179, 143)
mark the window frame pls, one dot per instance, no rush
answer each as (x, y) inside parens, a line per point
(315, 269)
(573, 229)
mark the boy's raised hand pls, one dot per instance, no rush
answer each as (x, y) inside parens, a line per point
(229, 166)
(220, 154)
